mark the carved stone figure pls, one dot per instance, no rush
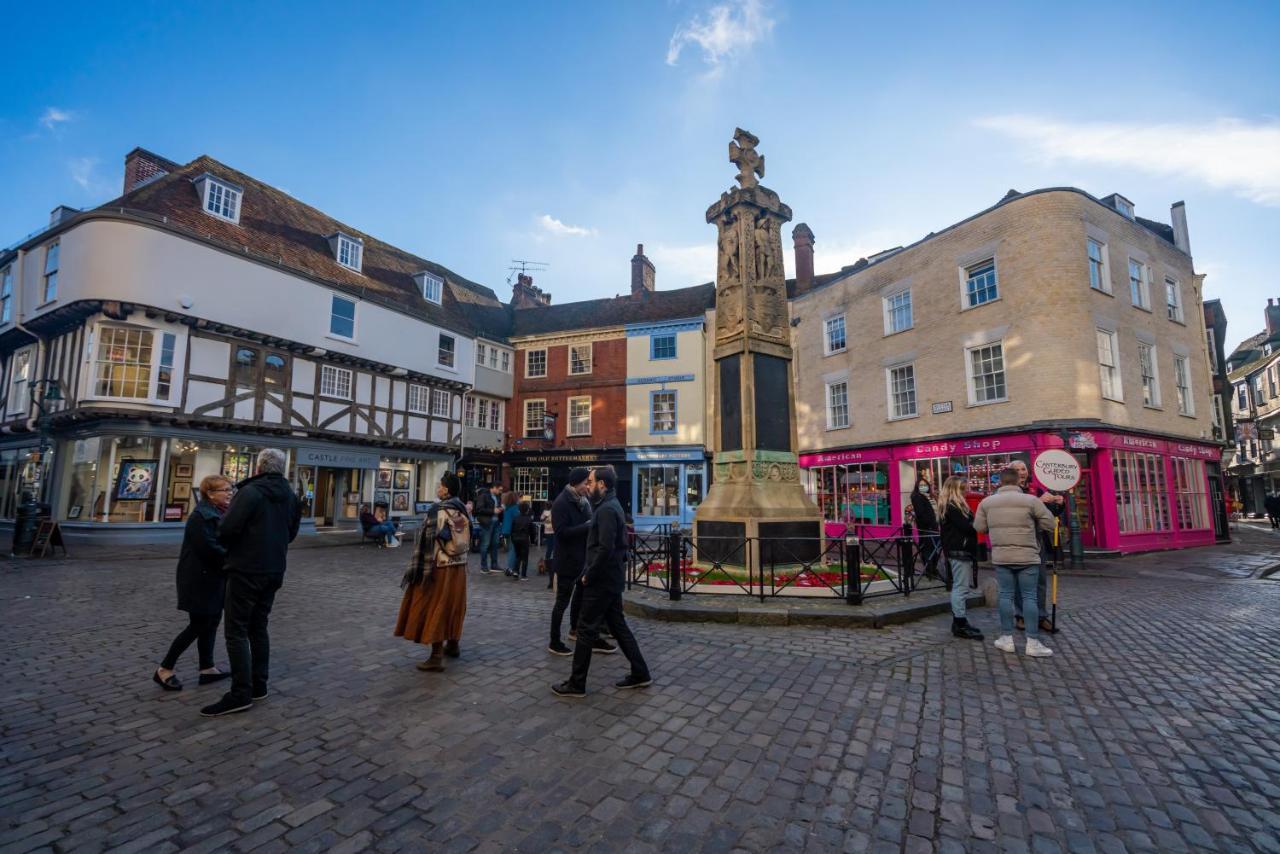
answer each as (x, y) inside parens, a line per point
(764, 256)
(728, 250)
(742, 153)
(728, 310)
(767, 310)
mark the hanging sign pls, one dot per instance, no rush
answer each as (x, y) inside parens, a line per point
(1057, 470)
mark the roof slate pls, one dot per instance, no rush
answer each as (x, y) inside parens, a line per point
(615, 311)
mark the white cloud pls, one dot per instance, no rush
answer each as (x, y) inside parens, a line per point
(54, 116)
(1227, 154)
(555, 227)
(724, 31)
(682, 266)
(82, 171)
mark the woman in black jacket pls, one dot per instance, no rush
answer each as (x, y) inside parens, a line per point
(960, 542)
(926, 526)
(202, 585)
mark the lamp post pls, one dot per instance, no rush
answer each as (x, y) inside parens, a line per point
(27, 517)
(1077, 543)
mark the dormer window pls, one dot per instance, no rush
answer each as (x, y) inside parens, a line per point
(1120, 205)
(219, 198)
(431, 285)
(348, 250)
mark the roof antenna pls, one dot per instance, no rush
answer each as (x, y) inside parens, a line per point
(523, 267)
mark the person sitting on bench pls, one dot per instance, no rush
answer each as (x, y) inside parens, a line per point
(376, 523)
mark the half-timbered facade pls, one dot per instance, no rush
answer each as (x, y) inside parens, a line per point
(202, 316)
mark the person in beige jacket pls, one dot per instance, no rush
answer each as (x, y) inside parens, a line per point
(1012, 520)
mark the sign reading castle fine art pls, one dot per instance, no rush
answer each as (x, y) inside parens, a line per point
(756, 491)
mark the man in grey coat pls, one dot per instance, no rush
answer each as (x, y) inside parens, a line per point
(1012, 520)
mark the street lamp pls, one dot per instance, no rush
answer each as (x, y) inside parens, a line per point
(52, 394)
(1073, 528)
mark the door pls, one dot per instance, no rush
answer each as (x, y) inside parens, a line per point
(1217, 504)
(324, 497)
(1083, 497)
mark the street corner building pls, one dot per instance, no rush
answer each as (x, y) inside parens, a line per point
(203, 315)
(1052, 320)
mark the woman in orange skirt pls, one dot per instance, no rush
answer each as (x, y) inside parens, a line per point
(435, 584)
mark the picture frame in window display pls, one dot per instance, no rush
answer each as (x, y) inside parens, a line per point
(181, 491)
(182, 471)
(401, 479)
(74, 512)
(382, 498)
(400, 502)
(136, 480)
(384, 479)
(174, 512)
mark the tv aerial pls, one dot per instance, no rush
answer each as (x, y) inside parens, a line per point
(525, 267)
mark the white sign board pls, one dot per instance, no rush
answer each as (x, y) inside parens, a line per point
(1057, 470)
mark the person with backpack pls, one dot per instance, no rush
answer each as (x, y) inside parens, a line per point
(960, 545)
(1012, 520)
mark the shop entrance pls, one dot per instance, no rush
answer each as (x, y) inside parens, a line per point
(324, 500)
(1217, 503)
(1083, 497)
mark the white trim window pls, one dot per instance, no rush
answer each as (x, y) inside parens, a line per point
(164, 372)
(1182, 381)
(21, 367)
(483, 415)
(530, 482)
(469, 410)
(580, 359)
(495, 415)
(6, 294)
(1215, 415)
(837, 405)
(506, 361)
(221, 199)
(535, 416)
(1099, 279)
(432, 288)
(342, 318)
(986, 374)
(662, 412)
(1148, 370)
(416, 401)
(1109, 366)
(1173, 299)
(535, 363)
(1139, 288)
(480, 352)
(901, 381)
(980, 285)
(441, 403)
(446, 352)
(350, 252)
(335, 382)
(51, 262)
(897, 312)
(579, 416)
(122, 363)
(833, 335)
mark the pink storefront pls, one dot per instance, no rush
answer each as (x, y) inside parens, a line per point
(1136, 492)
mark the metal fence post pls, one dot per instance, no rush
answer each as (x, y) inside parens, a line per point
(906, 565)
(675, 572)
(853, 571)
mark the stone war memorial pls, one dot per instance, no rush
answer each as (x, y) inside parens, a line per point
(756, 509)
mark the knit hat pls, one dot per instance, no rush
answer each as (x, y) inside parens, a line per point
(452, 484)
(578, 475)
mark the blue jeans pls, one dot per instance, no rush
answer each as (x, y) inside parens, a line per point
(512, 559)
(1042, 593)
(1019, 581)
(489, 544)
(961, 578)
(386, 529)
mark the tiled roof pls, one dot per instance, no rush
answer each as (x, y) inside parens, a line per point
(1159, 229)
(615, 311)
(278, 228)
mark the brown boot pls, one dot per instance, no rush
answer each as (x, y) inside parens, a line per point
(435, 663)
(451, 649)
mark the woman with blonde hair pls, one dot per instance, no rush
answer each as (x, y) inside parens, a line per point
(960, 544)
(202, 585)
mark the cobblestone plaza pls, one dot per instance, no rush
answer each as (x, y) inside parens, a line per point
(1152, 728)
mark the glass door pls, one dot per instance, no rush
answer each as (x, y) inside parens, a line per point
(1083, 497)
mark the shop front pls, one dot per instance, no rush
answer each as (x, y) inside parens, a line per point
(668, 485)
(539, 476)
(479, 470)
(1136, 493)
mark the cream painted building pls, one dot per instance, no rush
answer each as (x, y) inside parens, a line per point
(1051, 319)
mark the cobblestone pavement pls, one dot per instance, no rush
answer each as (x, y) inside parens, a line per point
(1153, 728)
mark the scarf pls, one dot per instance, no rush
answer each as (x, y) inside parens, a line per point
(422, 566)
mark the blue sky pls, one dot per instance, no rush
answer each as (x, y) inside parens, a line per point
(475, 134)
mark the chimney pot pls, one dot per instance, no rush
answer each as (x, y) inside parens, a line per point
(643, 273)
(802, 237)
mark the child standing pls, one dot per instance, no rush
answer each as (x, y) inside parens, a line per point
(521, 534)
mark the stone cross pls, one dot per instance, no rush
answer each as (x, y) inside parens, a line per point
(742, 153)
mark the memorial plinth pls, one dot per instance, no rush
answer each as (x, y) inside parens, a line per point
(755, 492)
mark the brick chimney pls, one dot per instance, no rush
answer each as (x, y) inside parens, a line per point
(524, 294)
(142, 167)
(1178, 219)
(643, 273)
(802, 236)
(1272, 317)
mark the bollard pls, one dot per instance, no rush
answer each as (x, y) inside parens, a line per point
(853, 571)
(675, 572)
(906, 565)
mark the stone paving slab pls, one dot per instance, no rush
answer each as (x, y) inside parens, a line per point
(1154, 727)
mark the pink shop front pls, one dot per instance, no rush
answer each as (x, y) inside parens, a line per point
(1136, 492)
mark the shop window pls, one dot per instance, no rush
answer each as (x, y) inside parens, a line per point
(662, 412)
(1189, 493)
(662, 346)
(10, 479)
(530, 482)
(854, 494)
(980, 284)
(1141, 494)
(122, 367)
(694, 486)
(658, 490)
(51, 272)
(981, 472)
(115, 479)
(579, 416)
(393, 488)
(580, 359)
(535, 363)
(21, 368)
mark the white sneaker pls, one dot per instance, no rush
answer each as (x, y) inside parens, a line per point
(1004, 643)
(394, 544)
(1035, 649)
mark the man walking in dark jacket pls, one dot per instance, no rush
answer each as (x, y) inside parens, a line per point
(486, 511)
(571, 520)
(256, 531)
(602, 583)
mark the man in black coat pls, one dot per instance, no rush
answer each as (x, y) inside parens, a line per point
(1272, 505)
(571, 520)
(256, 531)
(486, 513)
(602, 582)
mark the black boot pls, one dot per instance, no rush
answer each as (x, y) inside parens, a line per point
(960, 628)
